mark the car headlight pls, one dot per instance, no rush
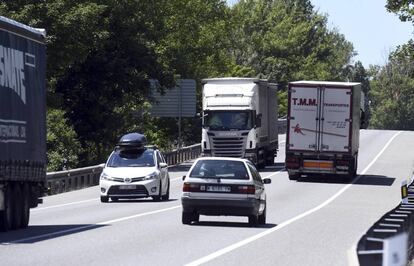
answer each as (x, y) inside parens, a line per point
(106, 177)
(153, 175)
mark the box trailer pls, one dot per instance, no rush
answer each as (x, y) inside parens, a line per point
(323, 128)
(22, 122)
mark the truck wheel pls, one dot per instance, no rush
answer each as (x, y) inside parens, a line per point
(356, 165)
(270, 158)
(26, 206)
(293, 176)
(6, 216)
(18, 206)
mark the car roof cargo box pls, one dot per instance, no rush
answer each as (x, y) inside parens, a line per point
(133, 141)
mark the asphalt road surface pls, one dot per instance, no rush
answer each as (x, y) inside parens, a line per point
(309, 222)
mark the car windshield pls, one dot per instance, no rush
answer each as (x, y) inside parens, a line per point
(228, 120)
(132, 158)
(220, 169)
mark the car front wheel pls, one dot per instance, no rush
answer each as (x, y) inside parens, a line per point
(159, 196)
(104, 198)
(167, 194)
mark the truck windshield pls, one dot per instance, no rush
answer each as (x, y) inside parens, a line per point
(132, 158)
(228, 120)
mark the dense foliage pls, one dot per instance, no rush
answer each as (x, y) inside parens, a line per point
(404, 8)
(102, 53)
(393, 91)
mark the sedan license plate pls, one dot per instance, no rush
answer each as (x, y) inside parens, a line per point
(218, 189)
(127, 187)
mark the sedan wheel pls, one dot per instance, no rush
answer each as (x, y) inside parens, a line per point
(253, 220)
(186, 217)
(104, 199)
(262, 217)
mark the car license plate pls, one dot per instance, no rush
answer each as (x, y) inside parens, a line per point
(127, 187)
(218, 189)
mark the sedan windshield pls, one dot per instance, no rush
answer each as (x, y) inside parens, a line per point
(132, 158)
(220, 169)
(227, 120)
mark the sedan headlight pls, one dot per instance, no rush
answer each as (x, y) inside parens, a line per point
(106, 177)
(153, 175)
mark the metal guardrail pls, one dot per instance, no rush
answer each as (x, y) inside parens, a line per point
(68, 180)
(281, 126)
(400, 220)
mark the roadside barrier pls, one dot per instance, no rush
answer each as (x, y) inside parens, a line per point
(390, 240)
(281, 126)
(68, 180)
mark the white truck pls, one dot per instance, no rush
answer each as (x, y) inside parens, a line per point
(240, 119)
(323, 128)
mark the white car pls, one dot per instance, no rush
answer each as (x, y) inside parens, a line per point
(135, 173)
(224, 186)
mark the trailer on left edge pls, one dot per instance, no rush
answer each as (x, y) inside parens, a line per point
(22, 122)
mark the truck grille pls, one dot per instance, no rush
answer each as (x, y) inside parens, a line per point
(228, 147)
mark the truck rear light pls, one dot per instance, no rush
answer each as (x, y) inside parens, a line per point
(249, 189)
(188, 187)
(292, 162)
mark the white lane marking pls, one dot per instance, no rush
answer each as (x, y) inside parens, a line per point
(62, 205)
(79, 228)
(246, 241)
(277, 172)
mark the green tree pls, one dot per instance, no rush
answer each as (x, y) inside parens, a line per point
(357, 73)
(404, 8)
(392, 91)
(62, 144)
(286, 40)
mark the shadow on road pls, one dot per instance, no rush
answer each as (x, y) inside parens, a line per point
(373, 180)
(38, 233)
(232, 224)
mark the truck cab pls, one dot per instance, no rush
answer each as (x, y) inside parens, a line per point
(240, 119)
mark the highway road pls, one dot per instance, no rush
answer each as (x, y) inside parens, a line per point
(309, 222)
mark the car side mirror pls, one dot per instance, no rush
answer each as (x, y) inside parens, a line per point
(267, 181)
(163, 165)
(183, 177)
